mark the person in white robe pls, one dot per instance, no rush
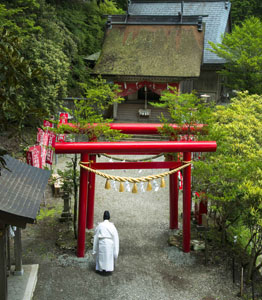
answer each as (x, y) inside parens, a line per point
(106, 245)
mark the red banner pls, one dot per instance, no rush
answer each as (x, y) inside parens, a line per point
(61, 138)
(44, 145)
(33, 156)
(48, 124)
(128, 88)
(51, 145)
(63, 120)
(39, 138)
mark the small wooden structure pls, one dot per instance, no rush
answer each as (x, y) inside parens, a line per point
(21, 189)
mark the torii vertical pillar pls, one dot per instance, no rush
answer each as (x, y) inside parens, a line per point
(82, 208)
(186, 203)
(91, 196)
(173, 201)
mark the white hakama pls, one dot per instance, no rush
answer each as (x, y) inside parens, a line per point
(106, 246)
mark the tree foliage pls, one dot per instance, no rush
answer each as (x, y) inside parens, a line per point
(15, 74)
(232, 176)
(184, 109)
(51, 38)
(242, 9)
(99, 96)
(242, 51)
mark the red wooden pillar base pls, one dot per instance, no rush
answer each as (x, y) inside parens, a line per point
(173, 201)
(82, 208)
(186, 203)
(91, 197)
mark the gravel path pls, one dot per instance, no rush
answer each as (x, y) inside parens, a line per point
(147, 267)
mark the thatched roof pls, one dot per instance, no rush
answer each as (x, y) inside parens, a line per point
(151, 50)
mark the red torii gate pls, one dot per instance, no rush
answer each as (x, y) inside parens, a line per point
(88, 153)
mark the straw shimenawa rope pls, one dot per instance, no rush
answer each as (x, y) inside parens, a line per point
(132, 160)
(133, 179)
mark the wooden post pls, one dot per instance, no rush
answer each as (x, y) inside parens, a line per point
(8, 250)
(3, 273)
(241, 281)
(18, 252)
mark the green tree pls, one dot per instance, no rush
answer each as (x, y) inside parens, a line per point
(242, 9)
(242, 51)
(27, 50)
(184, 109)
(47, 56)
(99, 96)
(15, 74)
(86, 23)
(232, 176)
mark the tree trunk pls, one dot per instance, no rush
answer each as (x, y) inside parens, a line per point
(223, 233)
(251, 264)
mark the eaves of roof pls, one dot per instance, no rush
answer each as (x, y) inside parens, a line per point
(21, 189)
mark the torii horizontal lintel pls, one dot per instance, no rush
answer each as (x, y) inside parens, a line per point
(152, 147)
(146, 128)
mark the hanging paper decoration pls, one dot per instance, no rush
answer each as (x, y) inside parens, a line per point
(142, 187)
(155, 185)
(114, 185)
(127, 186)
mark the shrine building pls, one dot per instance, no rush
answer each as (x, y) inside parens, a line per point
(158, 44)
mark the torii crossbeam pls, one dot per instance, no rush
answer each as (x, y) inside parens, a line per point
(87, 181)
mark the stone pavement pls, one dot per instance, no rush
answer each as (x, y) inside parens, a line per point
(21, 287)
(147, 267)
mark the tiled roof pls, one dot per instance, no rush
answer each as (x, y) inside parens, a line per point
(148, 50)
(21, 192)
(216, 22)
